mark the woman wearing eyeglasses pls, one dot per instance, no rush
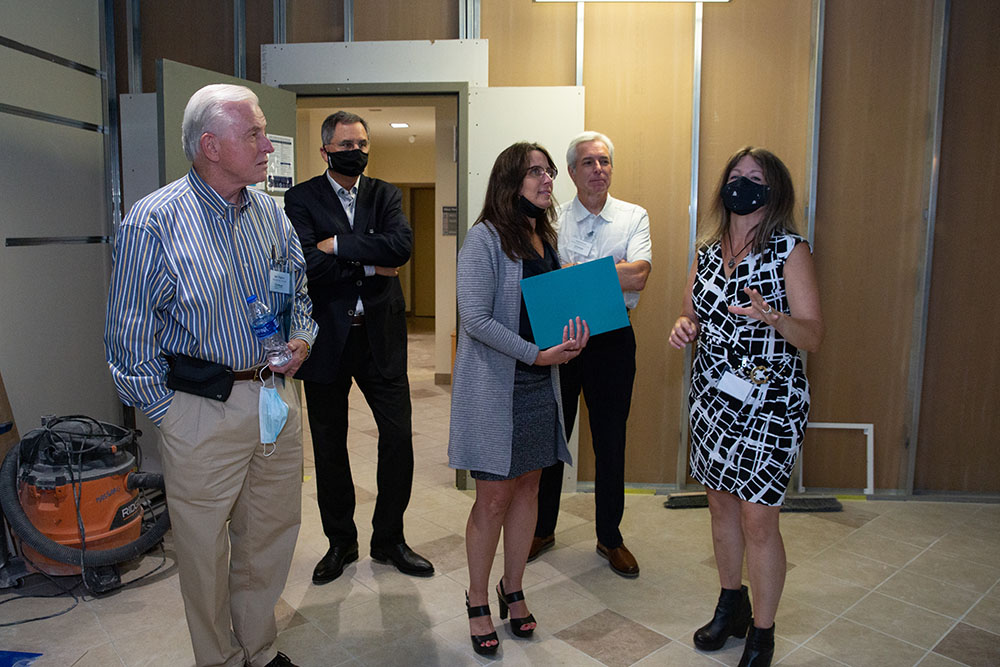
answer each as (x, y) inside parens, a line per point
(506, 416)
(752, 303)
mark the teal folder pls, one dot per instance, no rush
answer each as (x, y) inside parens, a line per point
(590, 290)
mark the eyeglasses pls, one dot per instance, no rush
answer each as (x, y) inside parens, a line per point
(536, 172)
(347, 145)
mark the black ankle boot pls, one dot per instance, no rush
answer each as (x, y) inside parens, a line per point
(732, 618)
(759, 648)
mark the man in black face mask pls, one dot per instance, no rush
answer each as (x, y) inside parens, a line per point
(355, 236)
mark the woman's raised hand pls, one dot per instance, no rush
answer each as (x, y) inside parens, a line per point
(575, 337)
(684, 332)
(758, 310)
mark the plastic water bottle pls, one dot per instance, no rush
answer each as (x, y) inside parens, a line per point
(265, 327)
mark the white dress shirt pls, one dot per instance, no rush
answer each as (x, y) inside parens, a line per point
(349, 198)
(620, 231)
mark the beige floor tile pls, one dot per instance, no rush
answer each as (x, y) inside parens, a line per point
(907, 528)
(929, 593)
(612, 639)
(859, 646)
(676, 654)
(879, 548)
(798, 621)
(67, 636)
(804, 657)
(955, 571)
(419, 648)
(900, 619)
(104, 655)
(970, 547)
(307, 646)
(557, 606)
(935, 660)
(986, 615)
(820, 590)
(851, 567)
(971, 646)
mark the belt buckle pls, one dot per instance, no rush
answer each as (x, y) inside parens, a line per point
(759, 375)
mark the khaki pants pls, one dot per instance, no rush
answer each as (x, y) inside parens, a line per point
(235, 519)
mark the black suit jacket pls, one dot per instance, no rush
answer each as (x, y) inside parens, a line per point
(381, 237)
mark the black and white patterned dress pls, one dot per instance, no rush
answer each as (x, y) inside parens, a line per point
(748, 447)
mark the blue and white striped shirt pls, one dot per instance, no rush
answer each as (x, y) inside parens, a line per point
(185, 261)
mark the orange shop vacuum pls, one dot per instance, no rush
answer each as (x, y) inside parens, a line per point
(70, 492)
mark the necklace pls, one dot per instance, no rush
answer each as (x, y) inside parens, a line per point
(732, 260)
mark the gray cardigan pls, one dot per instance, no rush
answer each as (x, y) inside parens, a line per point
(489, 308)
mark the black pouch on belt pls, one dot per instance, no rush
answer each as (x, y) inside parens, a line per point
(200, 377)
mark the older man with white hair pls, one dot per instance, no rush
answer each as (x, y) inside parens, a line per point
(181, 347)
(594, 225)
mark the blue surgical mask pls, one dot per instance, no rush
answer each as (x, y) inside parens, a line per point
(273, 412)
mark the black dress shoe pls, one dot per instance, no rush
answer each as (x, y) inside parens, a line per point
(404, 558)
(281, 660)
(332, 564)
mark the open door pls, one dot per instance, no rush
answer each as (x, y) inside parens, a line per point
(498, 117)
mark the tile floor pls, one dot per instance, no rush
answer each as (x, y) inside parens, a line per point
(878, 585)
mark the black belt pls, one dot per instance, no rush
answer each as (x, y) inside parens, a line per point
(259, 373)
(357, 320)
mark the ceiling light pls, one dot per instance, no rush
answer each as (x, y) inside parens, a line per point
(399, 125)
(628, 0)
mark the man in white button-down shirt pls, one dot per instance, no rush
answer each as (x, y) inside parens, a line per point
(594, 225)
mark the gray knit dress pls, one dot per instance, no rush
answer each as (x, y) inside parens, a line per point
(489, 347)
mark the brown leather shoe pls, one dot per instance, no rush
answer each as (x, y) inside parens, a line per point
(540, 544)
(621, 560)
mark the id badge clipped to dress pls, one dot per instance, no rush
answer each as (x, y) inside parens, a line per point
(734, 386)
(280, 283)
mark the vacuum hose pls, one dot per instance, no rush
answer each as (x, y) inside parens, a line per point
(31, 536)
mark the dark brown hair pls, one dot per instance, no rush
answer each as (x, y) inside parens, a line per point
(501, 209)
(779, 213)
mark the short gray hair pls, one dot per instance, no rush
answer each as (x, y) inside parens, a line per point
(204, 113)
(583, 138)
(341, 118)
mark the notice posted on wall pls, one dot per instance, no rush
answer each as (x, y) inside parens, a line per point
(281, 163)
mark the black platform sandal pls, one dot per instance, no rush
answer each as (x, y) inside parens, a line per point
(480, 643)
(515, 623)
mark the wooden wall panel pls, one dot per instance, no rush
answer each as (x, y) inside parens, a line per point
(755, 90)
(405, 19)
(959, 417)
(314, 21)
(873, 133)
(531, 44)
(186, 31)
(638, 69)
(259, 30)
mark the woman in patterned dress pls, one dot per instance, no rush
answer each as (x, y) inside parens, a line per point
(751, 302)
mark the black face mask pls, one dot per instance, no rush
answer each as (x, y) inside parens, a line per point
(348, 163)
(529, 209)
(743, 196)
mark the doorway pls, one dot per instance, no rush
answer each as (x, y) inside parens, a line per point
(413, 147)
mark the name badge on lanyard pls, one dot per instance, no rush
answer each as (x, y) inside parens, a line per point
(280, 281)
(581, 247)
(734, 386)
